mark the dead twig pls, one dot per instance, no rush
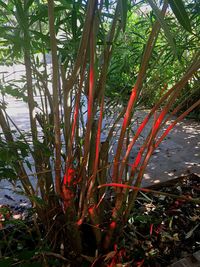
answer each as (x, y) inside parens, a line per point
(185, 198)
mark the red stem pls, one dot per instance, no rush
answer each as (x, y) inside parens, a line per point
(182, 116)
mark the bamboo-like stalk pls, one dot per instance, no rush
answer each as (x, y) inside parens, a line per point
(175, 111)
(133, 98)
(91, 7)
(176, 88)
(171, 126)
(135, 92)
(110, 134)
(127, 167)
(90, 100)
(19, 166)
(31, 103)
(98, 140)
(87, 139)
(106, 55)
(149, 140)
(48, 142)
(99, 97)
(44, 79)
(71, 80)
(67, 114)
(99, 92)
(75, 121)
(55, 78)
(67, 187)
(91, 201)
(45, 88)
(147, 158)
(152, 144)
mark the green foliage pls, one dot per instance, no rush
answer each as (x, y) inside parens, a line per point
(164, 26)
(14, 90)
(164, 65)
(6, 262)
(7, 160)
(19, 241)
(123, 13)
(8, 157)
(180, 13)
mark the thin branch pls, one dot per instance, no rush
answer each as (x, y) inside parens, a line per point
(53, 44)
(146, 190)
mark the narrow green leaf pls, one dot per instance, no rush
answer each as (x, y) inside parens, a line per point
(164, 25)
(107, 4)
(6, 262)
(28, 4)
(74, 21)
(29, 165)
(7, 173)
(123, 12)
(20, 15)
(41, 14)
(39, 201)
(3, 5)
(179, 11)
(41, 36)
(108, 15)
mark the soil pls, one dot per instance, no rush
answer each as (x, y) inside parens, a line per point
(160, 231)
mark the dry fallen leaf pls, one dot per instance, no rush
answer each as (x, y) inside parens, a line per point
(88, 258)
(194, 218)
(189, 234)
(110, 255)
(175, 237)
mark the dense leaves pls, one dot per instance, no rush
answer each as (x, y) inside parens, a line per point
(180, 13)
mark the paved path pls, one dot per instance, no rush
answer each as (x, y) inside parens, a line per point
(178, 155)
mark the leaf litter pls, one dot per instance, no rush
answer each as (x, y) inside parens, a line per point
(162, 230)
